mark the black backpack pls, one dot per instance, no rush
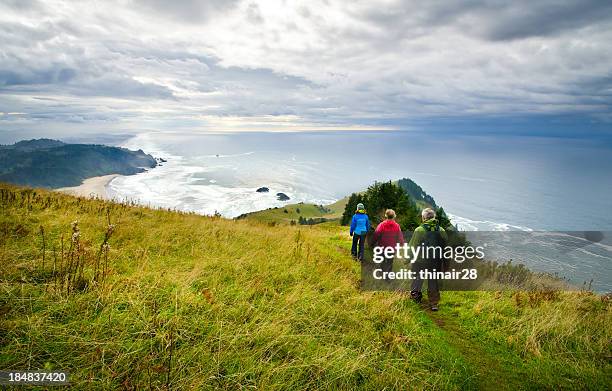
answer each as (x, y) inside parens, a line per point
(434, 238)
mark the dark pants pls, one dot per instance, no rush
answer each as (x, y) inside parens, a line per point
(387, 266)
(433, 287)
(358, 241)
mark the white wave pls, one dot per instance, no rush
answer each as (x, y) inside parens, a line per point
(582, 250)
(465, 224)
(229, 155)
(472, 179)
(194, 184)
(604, 246)
(146, 142)
(427, 174)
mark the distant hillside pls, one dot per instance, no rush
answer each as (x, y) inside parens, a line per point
(415, 191)
(52, 164)
(301, 213)
(34, 144)
(342, 210)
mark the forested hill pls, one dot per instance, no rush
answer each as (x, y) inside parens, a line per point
(404, 196)
(52, 164)
(416, 192)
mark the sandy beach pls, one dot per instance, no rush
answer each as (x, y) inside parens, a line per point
(91, 187)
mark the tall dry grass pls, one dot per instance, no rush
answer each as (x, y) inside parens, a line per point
(137, 298)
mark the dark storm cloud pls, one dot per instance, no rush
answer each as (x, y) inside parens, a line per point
(491, 20)
(542, 18)
(24, 77)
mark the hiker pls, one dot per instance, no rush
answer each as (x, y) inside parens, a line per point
(360, 225)
(428, 234)
(388, 234)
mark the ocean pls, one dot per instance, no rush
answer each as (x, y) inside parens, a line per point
(484, 182)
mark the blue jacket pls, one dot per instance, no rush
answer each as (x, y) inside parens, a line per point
(360, 224)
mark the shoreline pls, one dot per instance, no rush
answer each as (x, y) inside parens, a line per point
(91, 187)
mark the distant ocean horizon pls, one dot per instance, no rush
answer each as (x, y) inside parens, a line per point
(483, 182)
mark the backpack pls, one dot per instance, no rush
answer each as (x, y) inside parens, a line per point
(433, 238)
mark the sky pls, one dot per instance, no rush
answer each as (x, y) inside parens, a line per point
(122, 66)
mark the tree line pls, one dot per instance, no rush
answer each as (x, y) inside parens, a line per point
(388, 195)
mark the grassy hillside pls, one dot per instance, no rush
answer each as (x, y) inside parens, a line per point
(293, 212)
(190, 302)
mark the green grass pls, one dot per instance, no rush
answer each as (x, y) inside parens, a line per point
(292, 212)
(194, 302)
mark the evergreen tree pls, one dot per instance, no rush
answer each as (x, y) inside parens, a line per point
(443, 218)
(387, 195)
(416, 192)
(379, 197)
(350, 208)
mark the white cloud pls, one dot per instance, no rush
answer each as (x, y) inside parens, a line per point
(130, 64)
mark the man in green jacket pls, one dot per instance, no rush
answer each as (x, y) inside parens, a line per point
(429, 235)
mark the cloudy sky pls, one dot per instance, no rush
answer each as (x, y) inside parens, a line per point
(127, 66)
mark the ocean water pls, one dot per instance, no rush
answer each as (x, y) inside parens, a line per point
(485, 183)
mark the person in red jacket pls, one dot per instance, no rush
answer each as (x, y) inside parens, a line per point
(388, 234)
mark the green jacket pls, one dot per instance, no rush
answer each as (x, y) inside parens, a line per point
(419, 233)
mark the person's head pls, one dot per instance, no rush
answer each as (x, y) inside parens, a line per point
(390, 214)
(428, 214)
(360, 208)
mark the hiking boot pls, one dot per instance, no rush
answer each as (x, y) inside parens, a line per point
(416, 296)
(434, 307)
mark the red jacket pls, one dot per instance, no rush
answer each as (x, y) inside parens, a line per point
(388, 234)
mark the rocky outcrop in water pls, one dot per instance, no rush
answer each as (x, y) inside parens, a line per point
(282, 197)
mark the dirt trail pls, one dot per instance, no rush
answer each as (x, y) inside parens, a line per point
(492, 368)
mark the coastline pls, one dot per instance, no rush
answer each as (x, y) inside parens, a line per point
(91, 187)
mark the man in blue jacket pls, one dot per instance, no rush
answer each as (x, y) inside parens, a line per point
(360, 225)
